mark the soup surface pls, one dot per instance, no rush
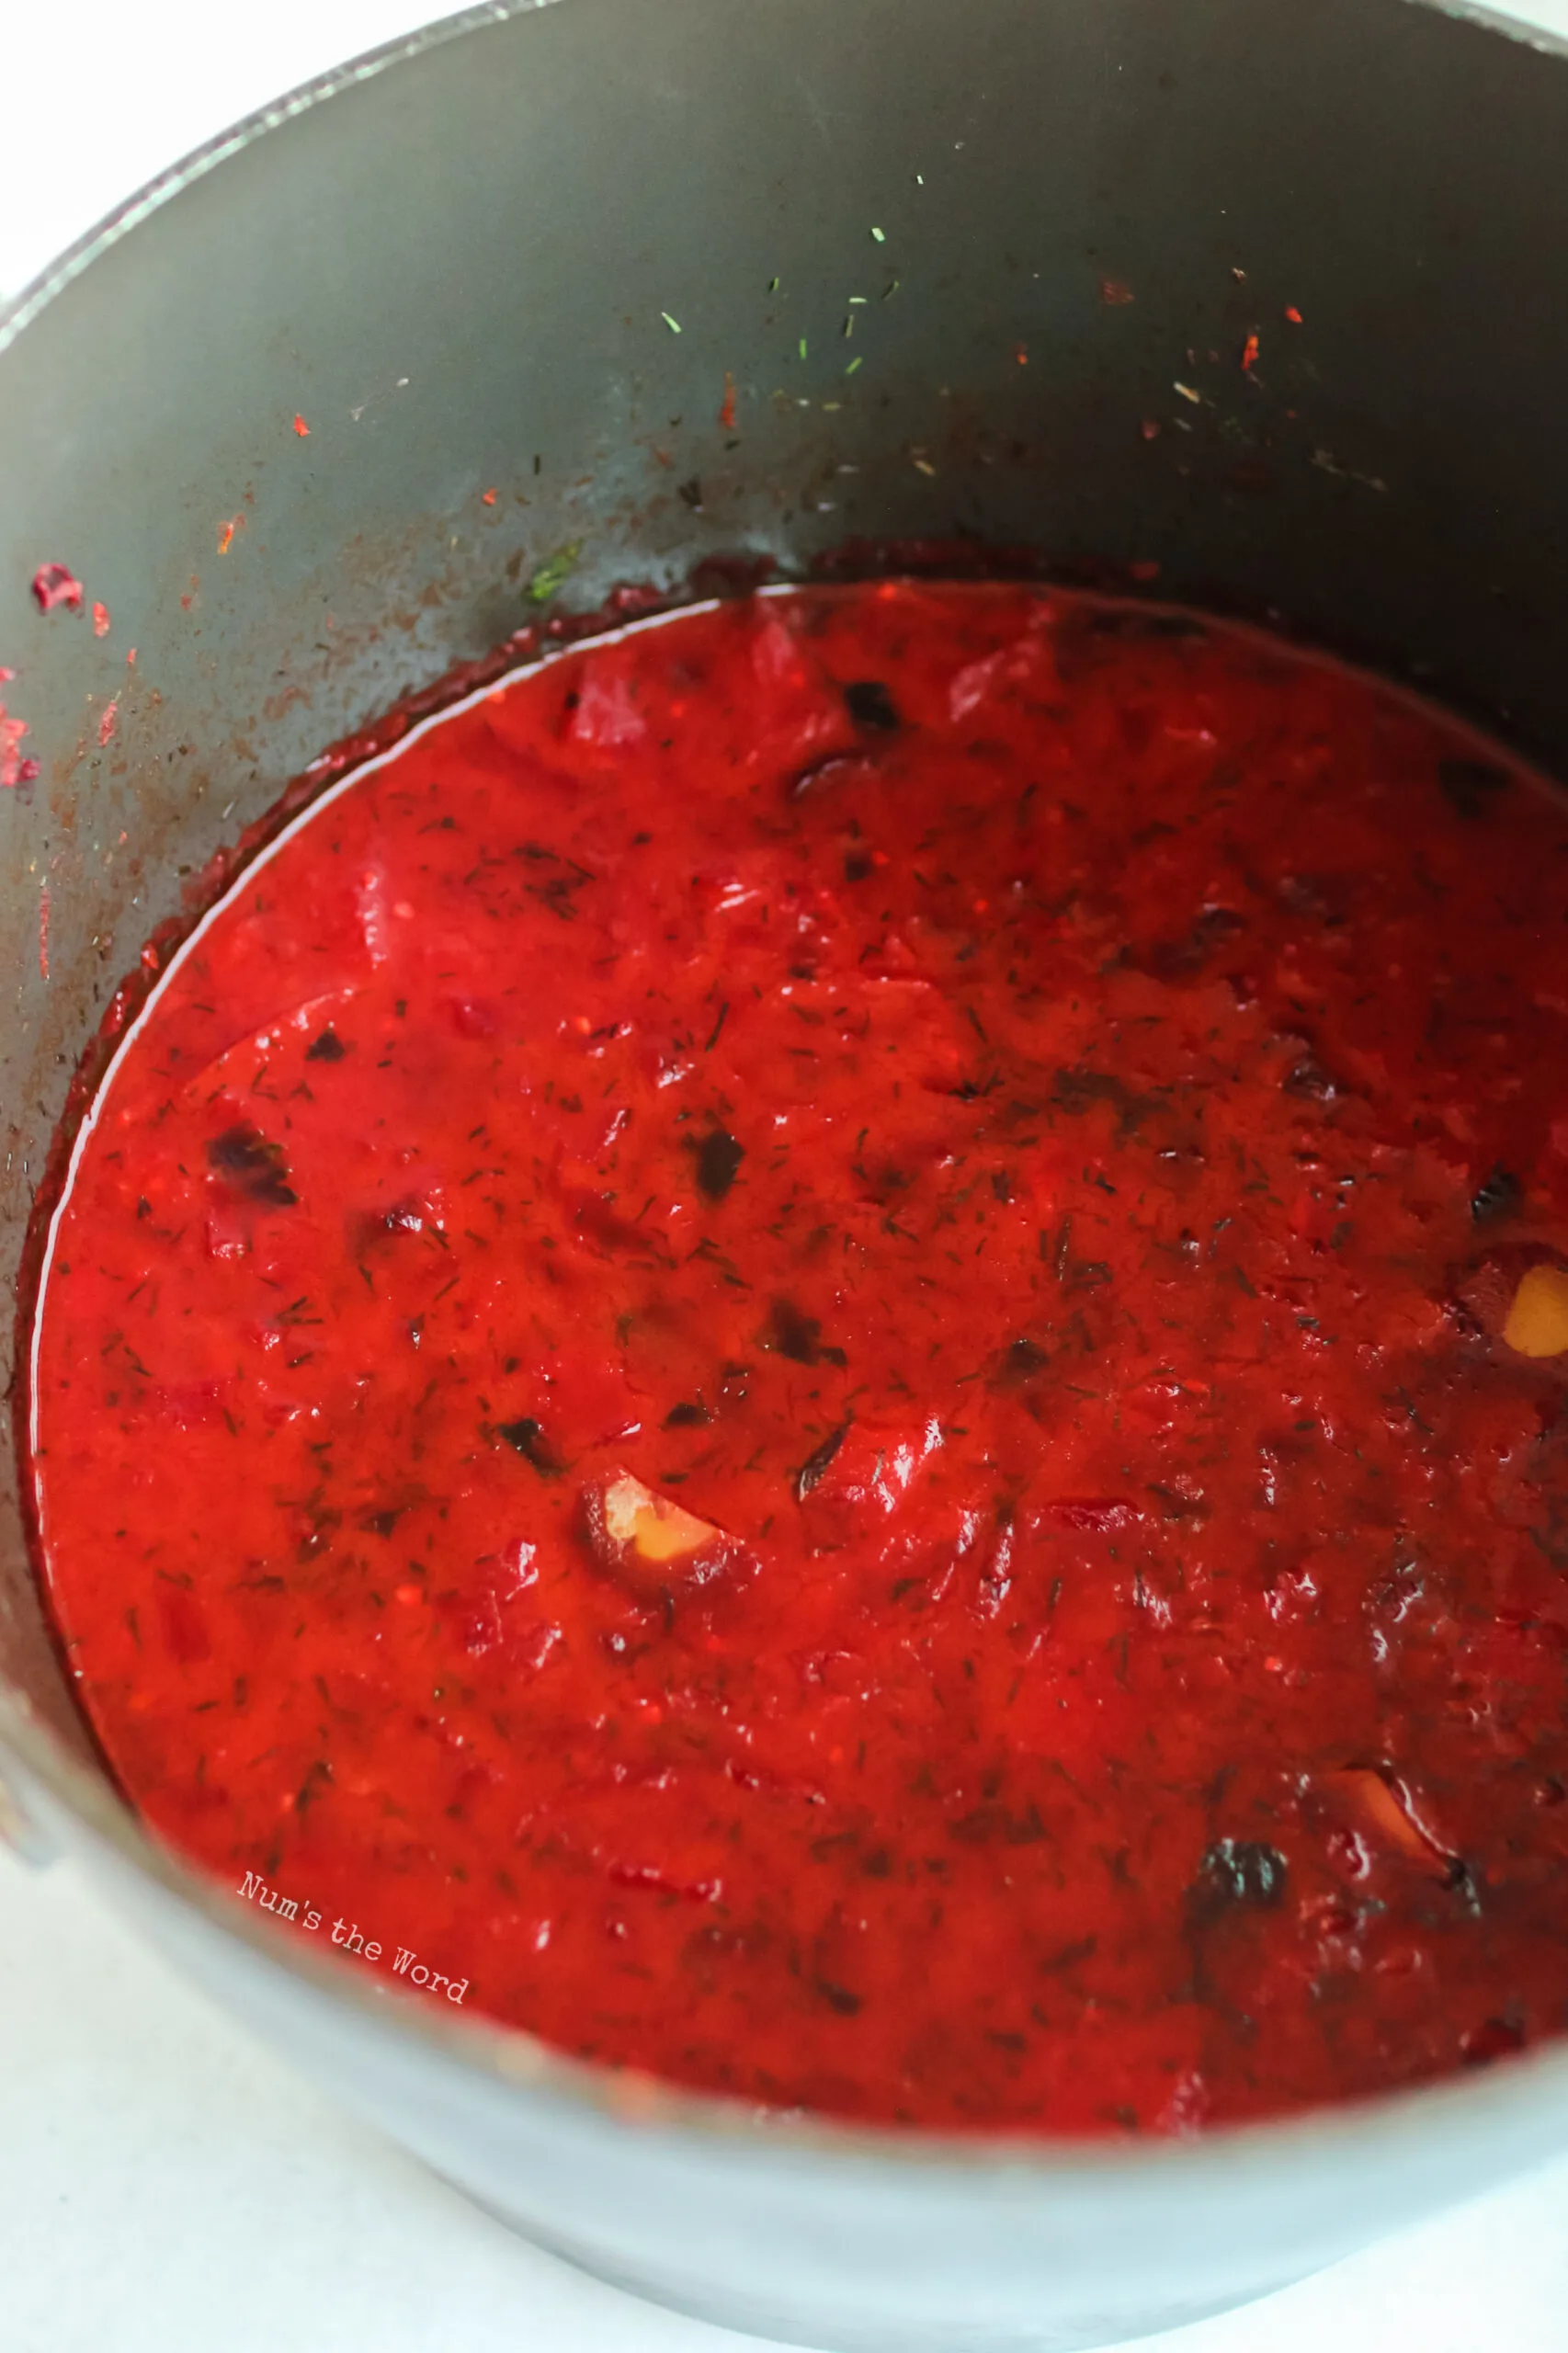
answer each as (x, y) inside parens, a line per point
(827, 1352)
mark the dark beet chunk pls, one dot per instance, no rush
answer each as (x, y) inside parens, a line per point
(839, 1998)
(1498, 1197)
(1472, 786)
(1020, 1361)
(528, 1440)
(870, 705)
(687, 1416)
(789, 1333)
(328, 1048)
(719, 1158)
(254, 1167)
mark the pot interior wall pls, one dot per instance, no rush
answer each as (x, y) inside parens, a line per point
(531, 255)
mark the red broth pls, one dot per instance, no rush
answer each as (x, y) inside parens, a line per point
(826, 1352)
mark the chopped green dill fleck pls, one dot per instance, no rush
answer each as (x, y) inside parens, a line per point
(892, 289)
(556, 572)
(879, 236)
(803, 346)
(849, 324)
(773, 286)
(858, 302)
(853, 365)
(919, 180)
(674, 325)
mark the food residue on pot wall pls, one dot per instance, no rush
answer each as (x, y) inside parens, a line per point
(15, 770)
(54, 585)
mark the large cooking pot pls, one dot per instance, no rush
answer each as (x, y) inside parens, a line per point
(528, 252)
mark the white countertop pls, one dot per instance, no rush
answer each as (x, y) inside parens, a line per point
(165, 2187)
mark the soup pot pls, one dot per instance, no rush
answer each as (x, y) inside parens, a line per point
(1257, 305)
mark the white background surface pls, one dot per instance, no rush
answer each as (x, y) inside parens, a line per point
(165, 2187)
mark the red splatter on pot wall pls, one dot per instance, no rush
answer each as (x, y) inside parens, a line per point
(53, 585)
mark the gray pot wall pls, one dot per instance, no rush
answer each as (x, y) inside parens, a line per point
(452, 264)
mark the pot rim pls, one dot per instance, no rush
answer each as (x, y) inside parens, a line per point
(1514, 2093)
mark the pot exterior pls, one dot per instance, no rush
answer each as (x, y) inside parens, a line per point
(597, 257)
